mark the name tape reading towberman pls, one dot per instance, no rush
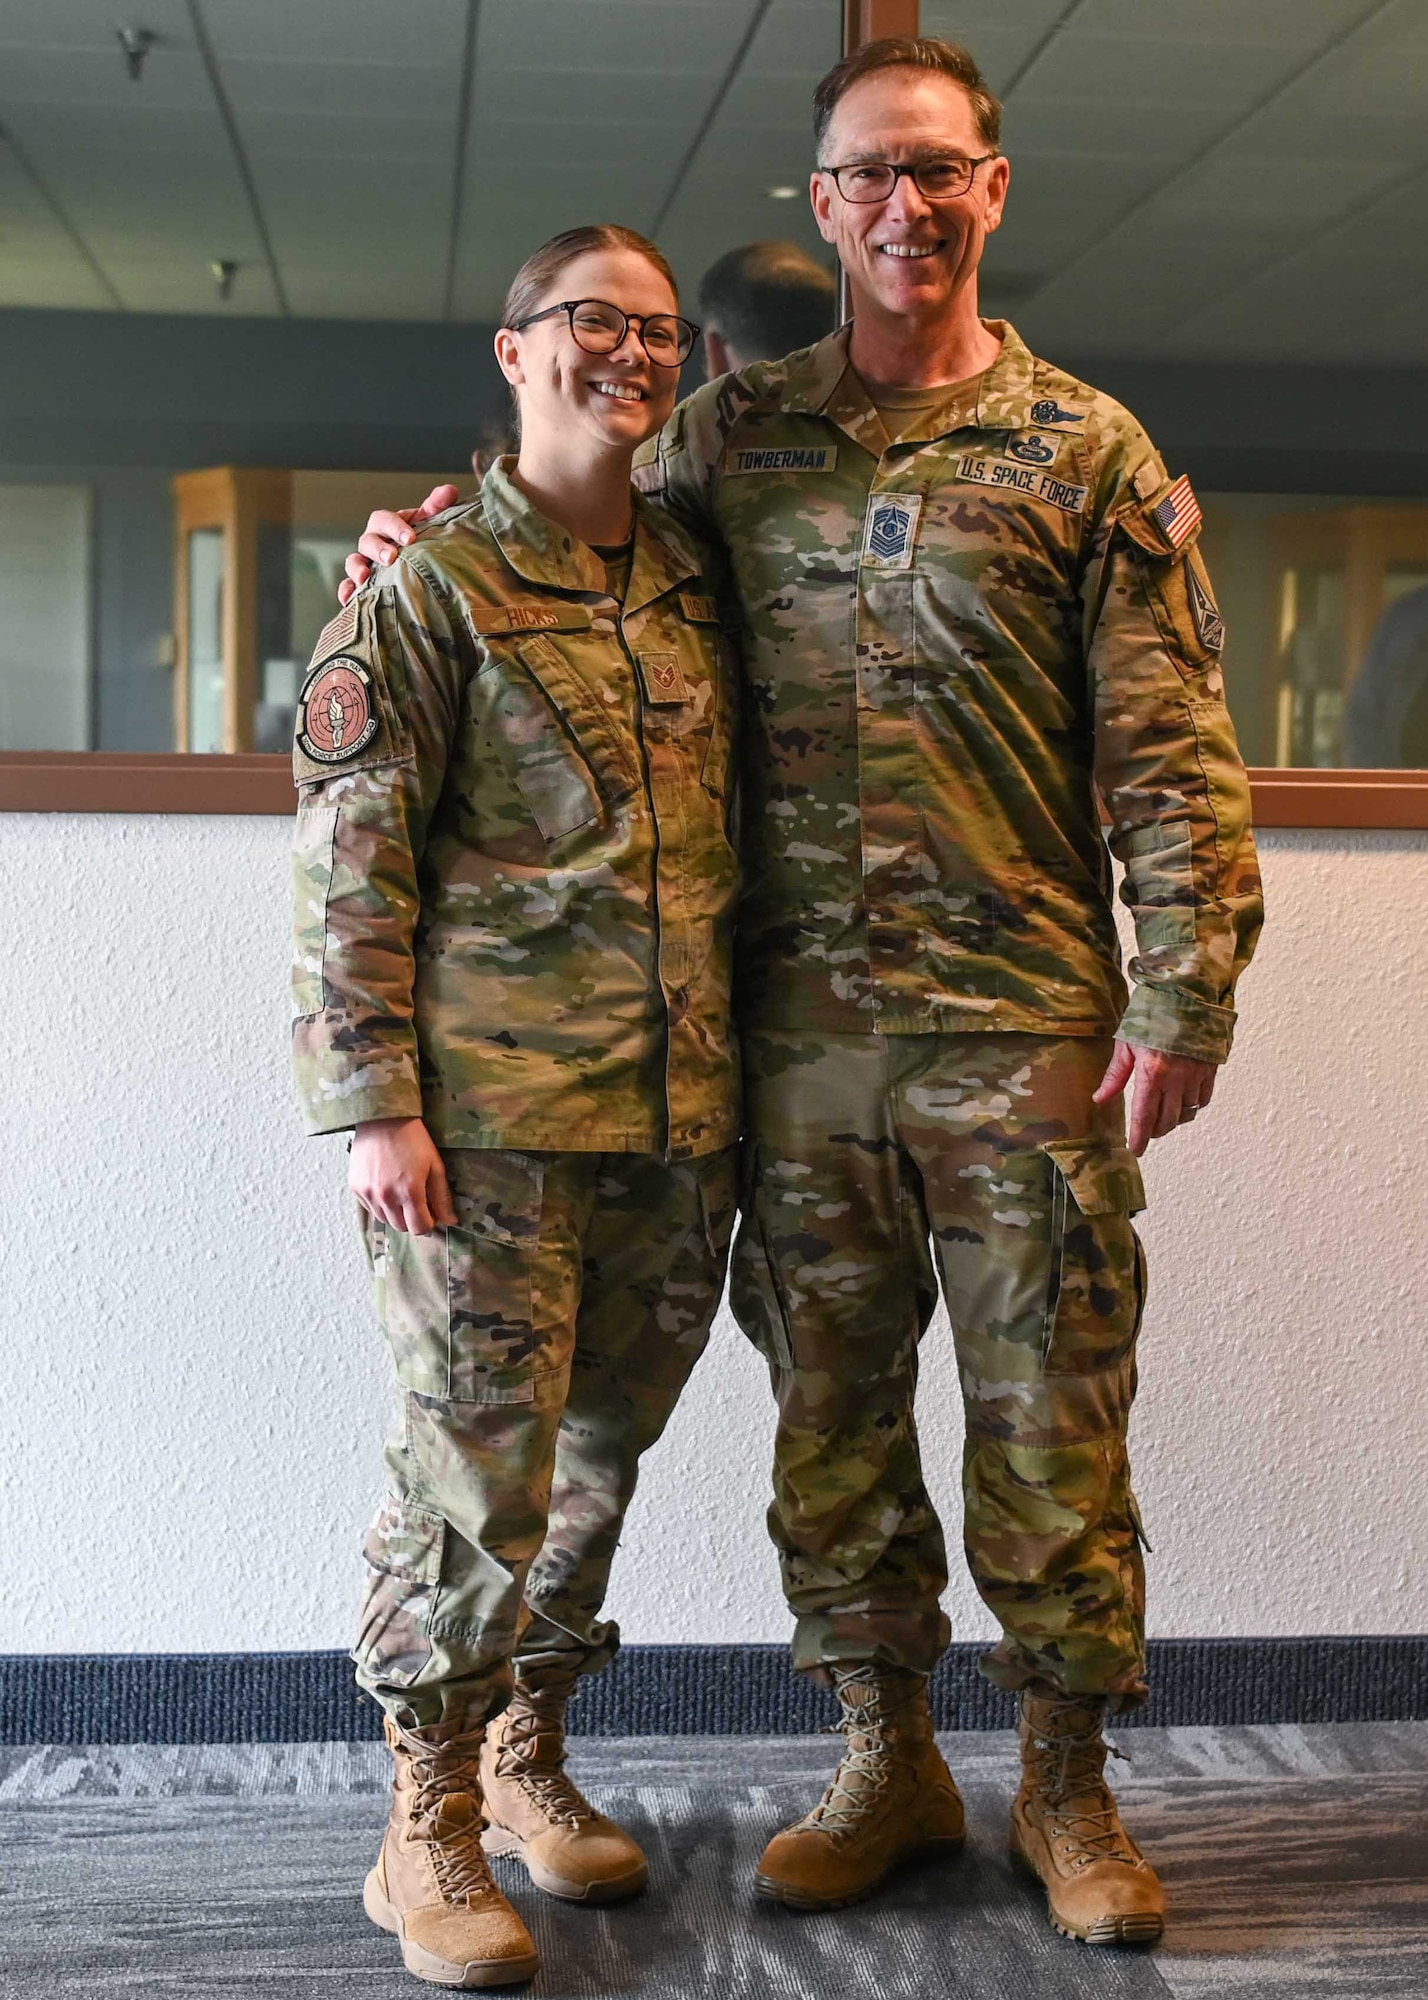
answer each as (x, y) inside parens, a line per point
(783, 458)
(1022, 479)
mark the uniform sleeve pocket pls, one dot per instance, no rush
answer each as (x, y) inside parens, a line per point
(314, 836)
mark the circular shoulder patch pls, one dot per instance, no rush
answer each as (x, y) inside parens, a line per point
(337, 715)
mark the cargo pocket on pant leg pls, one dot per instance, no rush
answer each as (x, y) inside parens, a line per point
(457, 1304)
(755, 1295)
(493, 1346)
(403, 1552)
(1096, 1288)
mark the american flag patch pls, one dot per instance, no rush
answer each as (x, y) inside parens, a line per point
(1178, 513)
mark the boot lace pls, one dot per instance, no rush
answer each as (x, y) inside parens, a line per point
(532, 1752)
(869, 1725)
(441, 1773)
(1080, 1810)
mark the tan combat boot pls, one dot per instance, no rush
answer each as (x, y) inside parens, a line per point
(1066, 1829)
(891, 1797)
(535, 1811)
(432, 1884)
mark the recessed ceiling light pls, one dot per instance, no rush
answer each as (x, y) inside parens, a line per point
(783, 192)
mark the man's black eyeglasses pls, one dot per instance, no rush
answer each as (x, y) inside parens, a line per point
(938, 180)
(600, 328)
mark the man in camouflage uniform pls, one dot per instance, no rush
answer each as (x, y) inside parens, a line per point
(971, 602)
(515, 891)
(971, 606)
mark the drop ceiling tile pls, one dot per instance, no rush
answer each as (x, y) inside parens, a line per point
(1293, 129)
(355, 90)
(1048, 122)
(85, 24)
(500, 150)
(352, 29)
(61, 282)
(326, 290)
(548, 97)
(798, 41)
(45, 127)
(97, 76)
(285, 144)
(1312, 191)
(162, 285)
(1301, 24)
(666, 37)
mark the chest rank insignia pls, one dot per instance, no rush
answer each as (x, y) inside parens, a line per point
(1049, 411)
(892, 530)
(662, 679)
(1208, 622)
(337, 714)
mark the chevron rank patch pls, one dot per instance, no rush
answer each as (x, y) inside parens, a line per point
(1203, 609)
(661, 678)
(892, 530)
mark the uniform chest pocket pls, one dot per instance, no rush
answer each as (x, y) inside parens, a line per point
(565, 756)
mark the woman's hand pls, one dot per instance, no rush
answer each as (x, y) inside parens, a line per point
(386, 533)
(396, 1173)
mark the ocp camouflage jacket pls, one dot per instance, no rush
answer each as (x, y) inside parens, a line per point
(514, 875)
(951, 645)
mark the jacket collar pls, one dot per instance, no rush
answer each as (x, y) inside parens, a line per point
(824, 381)
(543, 553)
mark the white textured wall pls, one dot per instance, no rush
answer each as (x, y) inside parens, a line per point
(194, 1391)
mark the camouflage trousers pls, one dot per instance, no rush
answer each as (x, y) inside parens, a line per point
(873, 1166)
(540, 1346)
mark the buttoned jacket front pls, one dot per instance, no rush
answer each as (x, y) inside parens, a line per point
(515, 879)
(952, 644)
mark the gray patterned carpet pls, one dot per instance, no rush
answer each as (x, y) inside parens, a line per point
(1296, 1860)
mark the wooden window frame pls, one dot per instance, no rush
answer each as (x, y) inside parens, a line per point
(103, 781)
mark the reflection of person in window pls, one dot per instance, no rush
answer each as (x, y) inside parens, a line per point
(1386, 722)
(763, 300)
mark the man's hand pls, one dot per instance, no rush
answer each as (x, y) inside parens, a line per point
(396, 1173)
(1169, 1090)
(387, 532)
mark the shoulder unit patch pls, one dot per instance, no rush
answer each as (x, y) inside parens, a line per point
(337, 716)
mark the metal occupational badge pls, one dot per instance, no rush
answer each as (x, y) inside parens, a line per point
(892, 530)
(338, 719)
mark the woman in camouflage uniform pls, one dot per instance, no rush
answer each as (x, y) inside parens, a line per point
(515, 887)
